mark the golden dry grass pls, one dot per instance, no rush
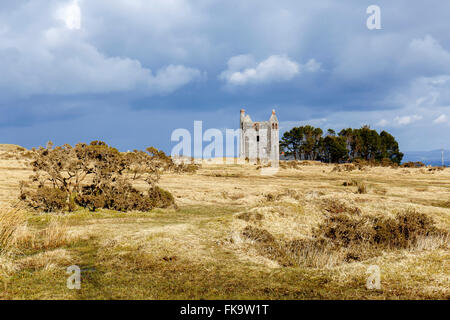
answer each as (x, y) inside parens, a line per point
(199, 251)
(11, 221)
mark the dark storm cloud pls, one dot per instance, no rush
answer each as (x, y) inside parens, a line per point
(131, 71)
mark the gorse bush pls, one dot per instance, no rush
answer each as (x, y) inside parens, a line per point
(411, 164)
(344, 238)
(399, 232)
(160, 198)
(124, 197)
(45, 198)
(97, 176)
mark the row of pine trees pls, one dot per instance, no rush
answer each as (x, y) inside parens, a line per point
(310, 143)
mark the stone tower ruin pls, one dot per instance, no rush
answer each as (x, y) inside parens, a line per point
(259, 140)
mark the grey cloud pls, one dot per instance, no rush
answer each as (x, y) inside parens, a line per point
(53, 59)
(244, 69)
(152, 55)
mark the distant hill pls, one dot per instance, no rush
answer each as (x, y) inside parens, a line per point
(432, 157)
(10, 147)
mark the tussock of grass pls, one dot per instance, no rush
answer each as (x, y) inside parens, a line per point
(343, 238)
(250, 216)
(55, 235)
(24, 247)
(362, 188)
(46, 260)
(11, 220)
(277, 196)
(233, 196)
(225, 175)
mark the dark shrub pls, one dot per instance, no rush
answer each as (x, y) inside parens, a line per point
(160, 198)
(250, 216)
(258, 235)
(120, 198)
(61, 173)
(343, 238)
(270, 197)
(412, 224)
(45, 198)
(379, 231)
(403, 230)
(386, 232)
(91, 198)
(345, 230)
(412, 164)
(186, 168)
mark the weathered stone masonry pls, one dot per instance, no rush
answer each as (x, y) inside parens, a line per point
(259, 140)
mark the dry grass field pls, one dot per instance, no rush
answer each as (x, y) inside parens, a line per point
(232, 236)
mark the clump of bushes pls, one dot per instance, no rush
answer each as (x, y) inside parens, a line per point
(412, 164)
(98, 176)
(258, 235)
(361, 186)
(344, 167)
(309, 252)
(45, 198)
(291, 164)
(120, 198)
(399, 232)
(160, 198)
(270, 197)
(343, 238)
(186, 167)
(362, 164)
(350, 183)
(384, 162)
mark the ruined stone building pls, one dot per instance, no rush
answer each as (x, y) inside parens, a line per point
(259, 140)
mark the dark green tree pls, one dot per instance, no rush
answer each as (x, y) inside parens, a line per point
(389, 148)
(306, 142)
(302, 142)
(334, 149)
(291, 141)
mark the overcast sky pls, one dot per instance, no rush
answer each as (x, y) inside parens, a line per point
(129, 72)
